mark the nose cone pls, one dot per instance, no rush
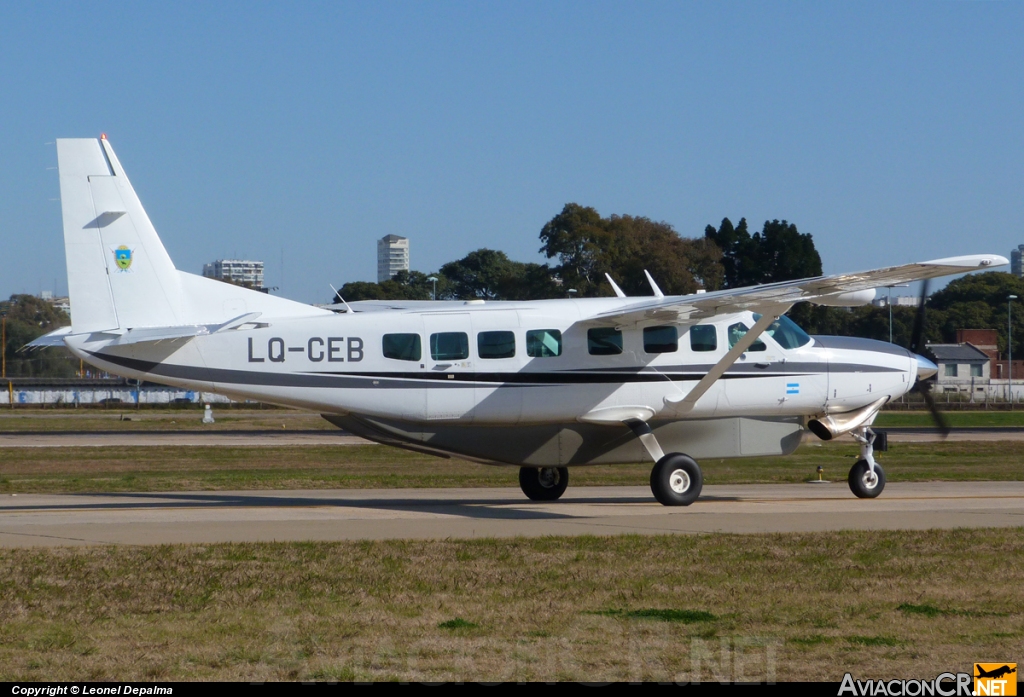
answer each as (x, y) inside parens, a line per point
(925, 368)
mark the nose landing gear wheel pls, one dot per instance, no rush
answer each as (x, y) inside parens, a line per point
(676, 480)
(543, 483)
(863, 484)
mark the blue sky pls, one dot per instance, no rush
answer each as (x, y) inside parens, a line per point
(305, 131)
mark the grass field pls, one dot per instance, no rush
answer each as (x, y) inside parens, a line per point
(115, 469)
(43, 420)
(956, 419)
(787, 607)
(683, 608)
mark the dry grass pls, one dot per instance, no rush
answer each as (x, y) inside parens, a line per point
(131, 420)
(113, 469)
(806, 606)
(955, 419)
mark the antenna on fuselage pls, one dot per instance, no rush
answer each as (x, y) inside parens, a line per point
(338, 296)
(615, 287)
(654, 286)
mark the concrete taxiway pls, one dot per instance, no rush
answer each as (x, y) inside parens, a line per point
(28, 520)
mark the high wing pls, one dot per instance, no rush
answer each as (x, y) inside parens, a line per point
(841, 289)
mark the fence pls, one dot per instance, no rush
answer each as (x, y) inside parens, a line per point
(992, 397)
(41, 392)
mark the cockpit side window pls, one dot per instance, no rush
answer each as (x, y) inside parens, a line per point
(736, 332)
(785, 332)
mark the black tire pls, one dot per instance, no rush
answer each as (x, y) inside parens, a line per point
(676, 480)
(860, 483)
(543, 483)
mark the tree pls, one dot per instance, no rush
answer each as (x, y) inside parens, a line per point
(486, 274)
(577, 237)
(979, 301)
(624, 246)
(706, 263)
(531, 282)
(636, 244)
(778, 253)
(480, 274)
(785, 254)
(738, 258)
(360, 290)
(405, 285)
(29, 317)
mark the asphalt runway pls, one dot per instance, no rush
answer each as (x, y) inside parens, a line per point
(34, 520)
(52, 439)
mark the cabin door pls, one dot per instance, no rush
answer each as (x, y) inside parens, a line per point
(449, 366)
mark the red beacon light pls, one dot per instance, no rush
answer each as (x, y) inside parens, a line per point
(103, 136)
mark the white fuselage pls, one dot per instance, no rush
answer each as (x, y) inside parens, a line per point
(336, 364)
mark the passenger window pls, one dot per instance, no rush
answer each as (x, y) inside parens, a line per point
(449, 346)
(736, 332)
(543, 343)
(661, 339)
(402, 347)
(703, 337)
(604, 341)
(496, 344)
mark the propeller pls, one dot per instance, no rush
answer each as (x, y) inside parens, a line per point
(917, 347)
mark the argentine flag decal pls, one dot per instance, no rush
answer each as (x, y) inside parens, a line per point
(792, 388)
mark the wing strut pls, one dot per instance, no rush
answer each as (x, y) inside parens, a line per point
(687, 402)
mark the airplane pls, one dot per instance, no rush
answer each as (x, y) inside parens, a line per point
(541, 385)
(995, 673)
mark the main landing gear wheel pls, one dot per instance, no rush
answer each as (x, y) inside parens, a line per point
(676, 480)
(863, 484)
(543, 483)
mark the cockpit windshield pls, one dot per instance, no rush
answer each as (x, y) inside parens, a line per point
(785, 332)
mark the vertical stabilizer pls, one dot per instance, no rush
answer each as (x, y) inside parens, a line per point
(119, 274)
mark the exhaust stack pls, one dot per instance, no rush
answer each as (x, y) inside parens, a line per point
(832, 425)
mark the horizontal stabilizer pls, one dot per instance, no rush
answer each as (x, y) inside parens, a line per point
(188, 331)
(54, 338)
(123, 337)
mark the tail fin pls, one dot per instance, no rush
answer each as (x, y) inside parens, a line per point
(119, 274)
